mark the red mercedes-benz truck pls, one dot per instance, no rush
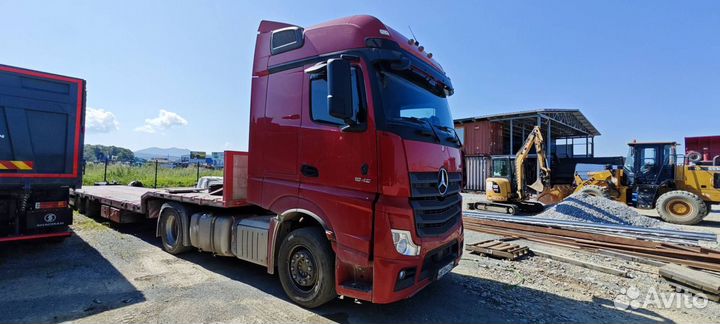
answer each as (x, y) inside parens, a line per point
(41, 140)
(351, 185)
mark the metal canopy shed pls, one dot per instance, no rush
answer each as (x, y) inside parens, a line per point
(565, 130)
(567, 133)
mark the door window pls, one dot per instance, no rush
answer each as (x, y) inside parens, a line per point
(318, 100)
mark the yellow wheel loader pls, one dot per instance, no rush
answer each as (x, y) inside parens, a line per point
(652, 178)
(505, 190)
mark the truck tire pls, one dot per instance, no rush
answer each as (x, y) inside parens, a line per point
(80, 204)
(92, 208)
(171, 228)
(681, 207)
(709, 208)
(306, 266)
(596, 191)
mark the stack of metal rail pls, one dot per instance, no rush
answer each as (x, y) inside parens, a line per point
(665, 245)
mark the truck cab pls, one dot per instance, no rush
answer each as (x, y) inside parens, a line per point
(351, 133)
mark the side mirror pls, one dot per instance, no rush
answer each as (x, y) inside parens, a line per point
(339, 81)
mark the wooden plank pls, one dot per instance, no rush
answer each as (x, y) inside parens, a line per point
(580, 263)
(697, 279)
(633, 258)
(506, 250)
(679, 287)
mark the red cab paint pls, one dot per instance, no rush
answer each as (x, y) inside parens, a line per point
(364, 187)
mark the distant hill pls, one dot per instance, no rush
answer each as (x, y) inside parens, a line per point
(172, 153)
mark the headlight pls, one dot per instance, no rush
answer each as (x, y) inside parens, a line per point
(404, 243)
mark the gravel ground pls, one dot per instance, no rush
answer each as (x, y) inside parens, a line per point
(119, 274)
(585, 208)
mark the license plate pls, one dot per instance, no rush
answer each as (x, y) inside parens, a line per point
(444, 270)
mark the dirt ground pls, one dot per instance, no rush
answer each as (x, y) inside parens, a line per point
(119, 274)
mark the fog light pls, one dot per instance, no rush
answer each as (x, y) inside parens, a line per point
(402, 274)
(404, 243)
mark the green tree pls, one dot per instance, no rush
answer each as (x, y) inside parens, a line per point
(98, 153)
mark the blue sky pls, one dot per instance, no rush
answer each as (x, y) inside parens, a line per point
(177, 73)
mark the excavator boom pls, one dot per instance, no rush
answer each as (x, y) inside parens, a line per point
(535, 138)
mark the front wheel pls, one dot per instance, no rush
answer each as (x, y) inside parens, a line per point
(681, 207)
(306, 267)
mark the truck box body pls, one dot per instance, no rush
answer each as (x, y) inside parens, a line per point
(707, 146)
(41, 140)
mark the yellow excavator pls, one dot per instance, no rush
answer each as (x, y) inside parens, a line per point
(652, 178)
(505, 190)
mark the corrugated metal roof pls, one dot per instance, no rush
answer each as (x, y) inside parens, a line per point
(573, 115)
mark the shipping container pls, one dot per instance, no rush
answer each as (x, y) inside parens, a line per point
(477, 169)
(483, 138)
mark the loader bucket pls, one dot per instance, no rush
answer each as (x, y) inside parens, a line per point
(555, 194)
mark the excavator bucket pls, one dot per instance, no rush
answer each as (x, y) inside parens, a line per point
(538, 186)
(555, 194)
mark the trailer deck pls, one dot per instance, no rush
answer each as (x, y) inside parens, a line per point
(115, 202)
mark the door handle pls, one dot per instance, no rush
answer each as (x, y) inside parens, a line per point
(309, 171)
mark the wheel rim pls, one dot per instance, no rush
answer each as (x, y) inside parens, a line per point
(172, 227)
(679, 207)
(302, 269)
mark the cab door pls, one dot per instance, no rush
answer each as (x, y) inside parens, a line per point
(338, 170)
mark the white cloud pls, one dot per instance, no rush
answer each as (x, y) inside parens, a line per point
(166, 119)
(100, 121)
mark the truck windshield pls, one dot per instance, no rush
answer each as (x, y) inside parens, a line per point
(419, 103)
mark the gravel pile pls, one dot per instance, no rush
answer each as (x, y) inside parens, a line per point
(585, 208)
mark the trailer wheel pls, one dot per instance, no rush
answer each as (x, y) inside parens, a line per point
(92, 208)
(596, 191)
(80, 204)
(306, 267)
(681, 207)
(171, 229)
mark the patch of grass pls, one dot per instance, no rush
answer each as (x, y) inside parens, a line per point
(84, 223)
(124, 174)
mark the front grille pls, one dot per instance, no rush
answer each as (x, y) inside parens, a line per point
(435, 214)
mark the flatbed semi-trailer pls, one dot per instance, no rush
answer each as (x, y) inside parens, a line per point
(351, 184)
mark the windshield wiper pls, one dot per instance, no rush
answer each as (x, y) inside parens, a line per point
(455, 139)
(424, 122)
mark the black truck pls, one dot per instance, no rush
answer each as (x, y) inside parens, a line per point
(42, 118)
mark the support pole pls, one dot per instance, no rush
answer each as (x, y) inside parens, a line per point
(549, 144)
(512, 147)
(587, 146)
(105, 174)
(537, 161)
(198, 172)
(156, 172)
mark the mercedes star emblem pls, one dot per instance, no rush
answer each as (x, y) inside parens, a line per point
(443, 181)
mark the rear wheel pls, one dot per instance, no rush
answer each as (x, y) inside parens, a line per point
(681, 207)
(596, 191)
(306, 267)
(80, 204)
(172, 231)
(92, 208)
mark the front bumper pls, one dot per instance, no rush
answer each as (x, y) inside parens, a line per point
(388, 287)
